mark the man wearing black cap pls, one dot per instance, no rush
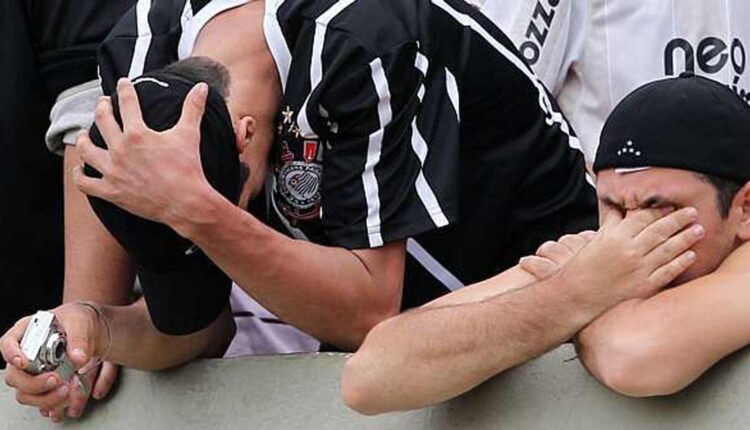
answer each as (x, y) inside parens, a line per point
(673, 144)
(379, 147)
(398, 150)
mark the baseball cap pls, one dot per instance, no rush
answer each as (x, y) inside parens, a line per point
(184, 290)
(689, 123)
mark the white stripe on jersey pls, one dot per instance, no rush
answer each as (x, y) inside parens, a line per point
(191, 28)
(187, 14)
(276, 43)
(552, 116)
(374, 146)
(448, 279)
(424, 191)
(426, 195)
(316, 61)
(452, 88)
(144, 39)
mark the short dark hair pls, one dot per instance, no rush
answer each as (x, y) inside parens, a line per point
(725, 188)
(203, 69)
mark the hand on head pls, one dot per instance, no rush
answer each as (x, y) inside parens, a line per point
(143, 171)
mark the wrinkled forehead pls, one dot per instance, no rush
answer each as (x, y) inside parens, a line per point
(640, 184)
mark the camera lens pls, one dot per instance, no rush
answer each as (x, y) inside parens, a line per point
(55, 349)
(59, 351)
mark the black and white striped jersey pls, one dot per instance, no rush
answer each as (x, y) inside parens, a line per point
(407, 120)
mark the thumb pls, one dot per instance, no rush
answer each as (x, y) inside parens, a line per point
(194, 107)
(80, 334)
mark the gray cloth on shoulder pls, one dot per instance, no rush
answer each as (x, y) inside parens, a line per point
(73, 111)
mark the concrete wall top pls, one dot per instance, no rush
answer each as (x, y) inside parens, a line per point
(302, 392)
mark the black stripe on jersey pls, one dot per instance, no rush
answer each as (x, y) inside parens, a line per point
(465, 15)
(248, 314)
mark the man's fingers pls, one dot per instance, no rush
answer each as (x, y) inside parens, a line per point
(106, 122)
(667, 273)
(588, 235)
(674, 246)
(575, 242)
(79, 328)
(91, 186)
(130, 108)
(10, 344)
(194, 107)
(540, 267)
(78, 399)
(555, 251)
(105, 381)
(91, 154)
(661, 230)
(48, 401)
(609, 218)
(637, 220)
(31, 384)
(58, 414)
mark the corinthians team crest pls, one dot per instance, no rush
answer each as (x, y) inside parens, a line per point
(298, 171)
(299, 184)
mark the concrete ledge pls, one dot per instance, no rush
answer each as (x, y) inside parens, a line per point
(302, 392)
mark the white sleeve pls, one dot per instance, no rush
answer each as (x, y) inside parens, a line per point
(73, 111)
(549, 34)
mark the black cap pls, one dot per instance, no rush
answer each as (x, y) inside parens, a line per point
(689, 123)
(184, 290)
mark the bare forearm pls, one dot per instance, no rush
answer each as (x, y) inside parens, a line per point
(137, 343)
(96, 266)
(433, 354)
(660, 345)
(328, 292)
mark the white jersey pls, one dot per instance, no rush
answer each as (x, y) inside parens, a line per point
(592, 53)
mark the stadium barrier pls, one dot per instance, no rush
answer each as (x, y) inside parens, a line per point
(302, 392)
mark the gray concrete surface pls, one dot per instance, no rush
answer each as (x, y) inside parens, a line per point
(302, 392)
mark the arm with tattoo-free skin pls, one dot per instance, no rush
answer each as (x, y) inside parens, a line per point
(441, 351)
(99, 270)
(159, 176)
(660, 345)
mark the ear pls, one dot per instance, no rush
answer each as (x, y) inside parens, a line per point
(741, 206)
(244, 132)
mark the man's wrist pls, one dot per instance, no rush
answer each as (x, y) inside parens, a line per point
(201, 208)
(102, 330)
(579, 296)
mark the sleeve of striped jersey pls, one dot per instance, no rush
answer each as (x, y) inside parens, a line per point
(145, 38)
(116, 52)
(372, 171)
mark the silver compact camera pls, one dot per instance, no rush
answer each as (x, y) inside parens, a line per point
(44, 345)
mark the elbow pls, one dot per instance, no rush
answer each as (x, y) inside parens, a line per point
(362, 388)
(632, 367)
(357, 390)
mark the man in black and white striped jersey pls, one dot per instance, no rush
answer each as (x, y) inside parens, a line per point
(413, 126)
(407, 145)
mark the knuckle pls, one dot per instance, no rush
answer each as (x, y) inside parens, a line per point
(101, 112)
(631, 256)
(22, 398)
(134, 135)
(569, 239)
(545, 248)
